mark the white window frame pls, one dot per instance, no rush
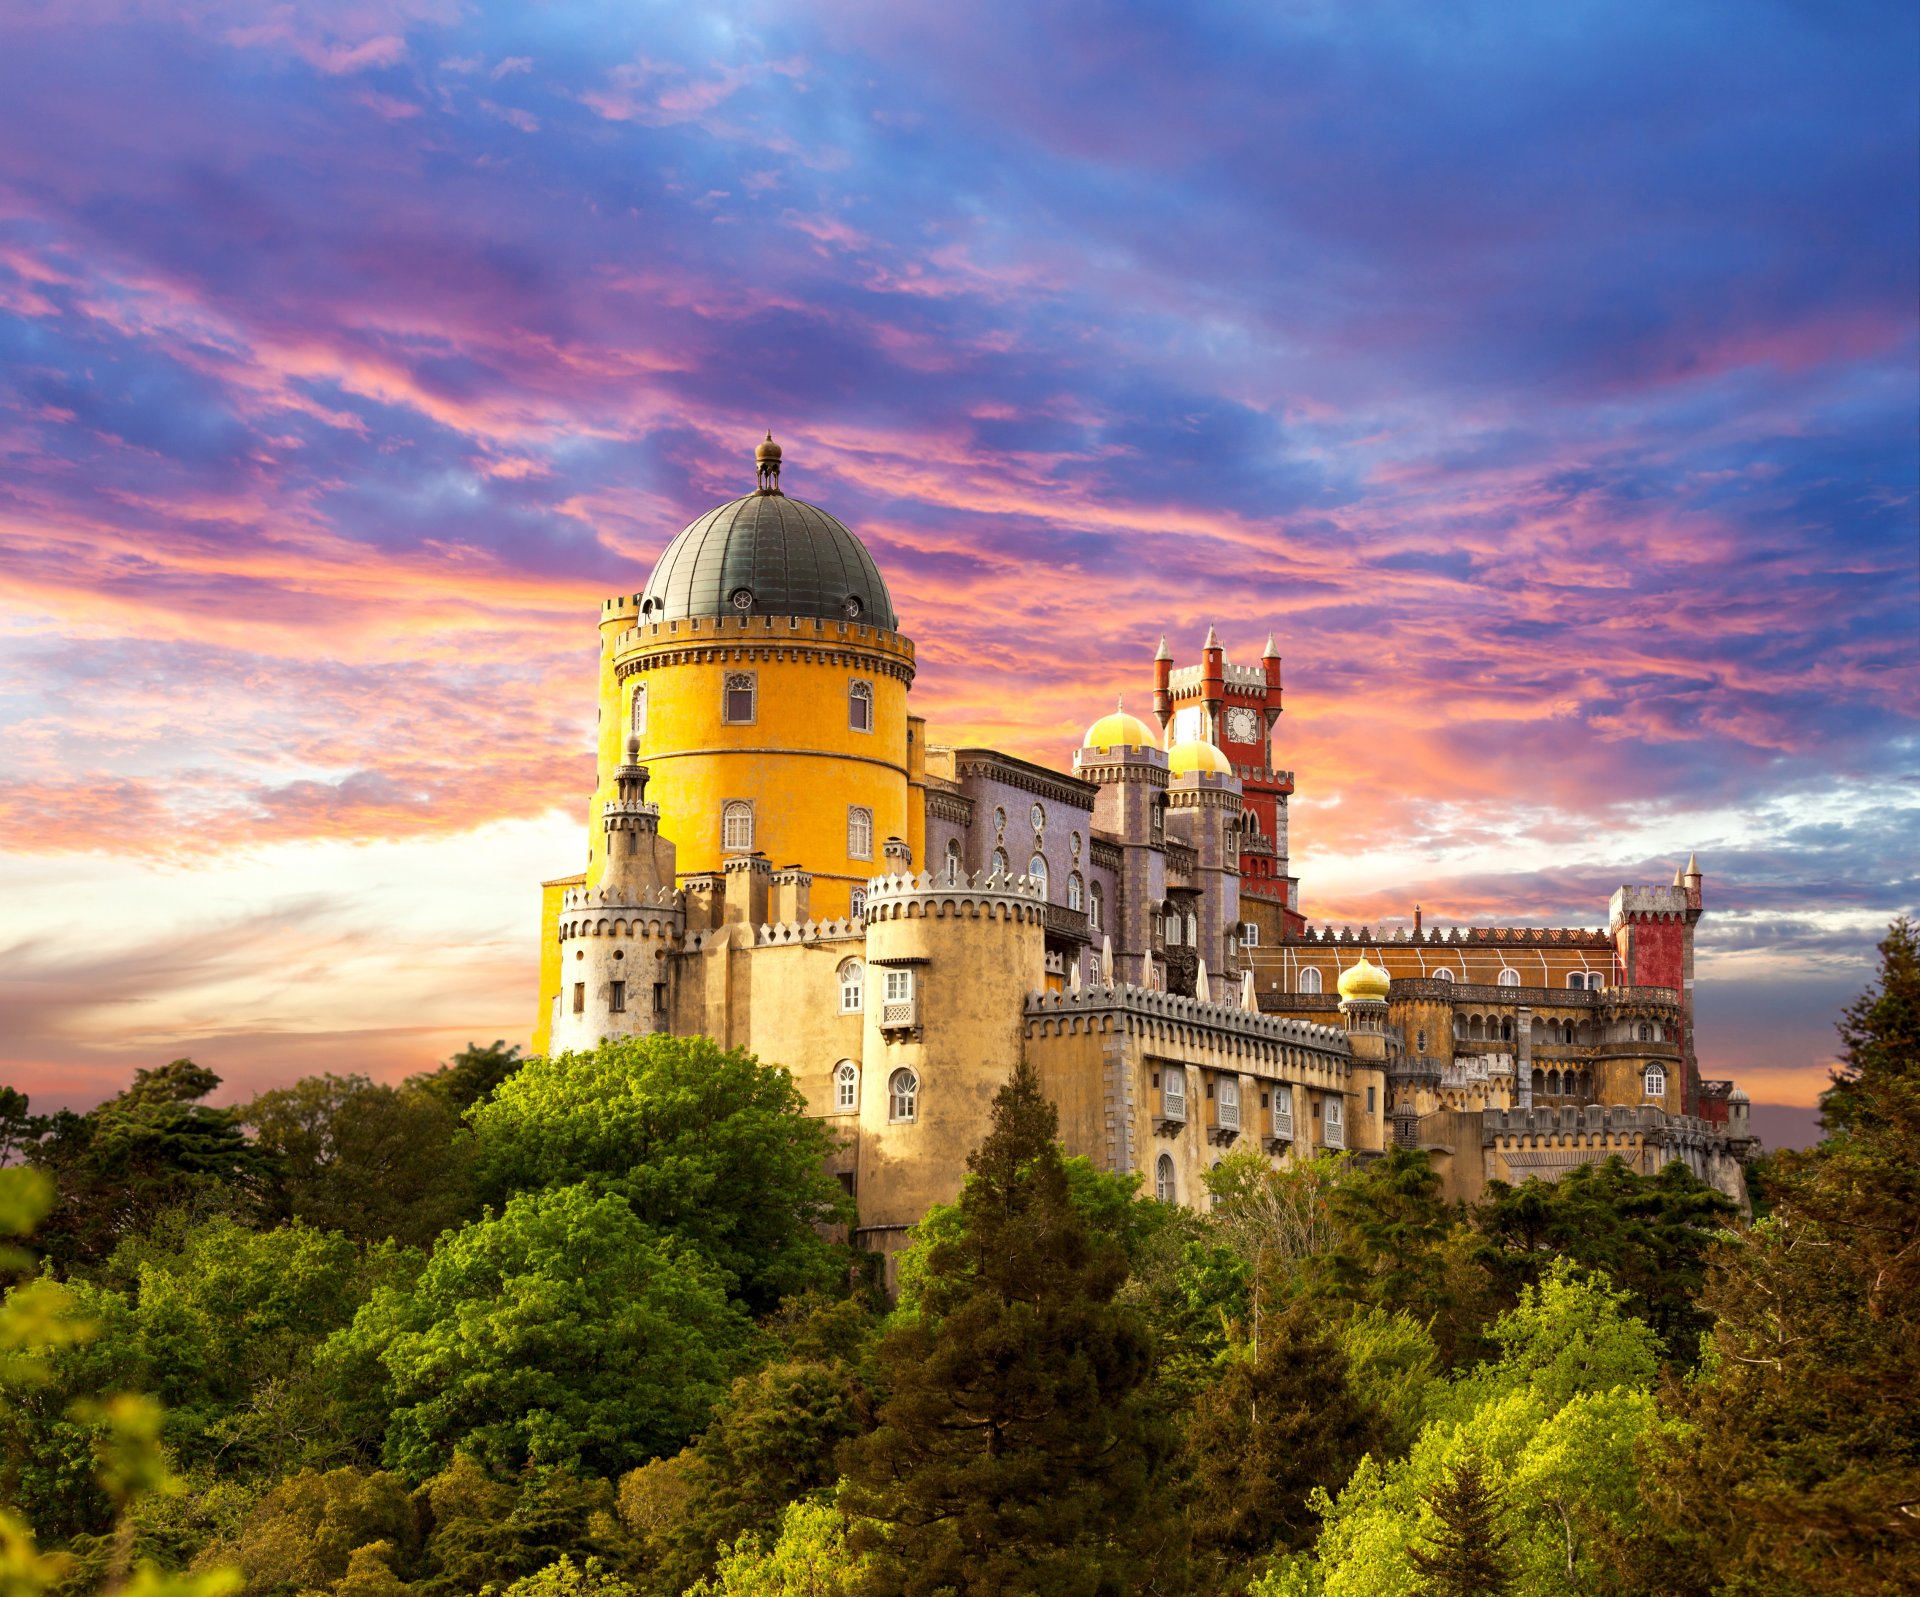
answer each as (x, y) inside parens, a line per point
(1249, 934)
(859, 705)
(1443, 974)
(731, 840)
(1311, 981)
(1037, 871)
(1508, 977)
(637, 711)
(954, 866)
(857, 902)
(1076, 891)
(747, 682)
(1334, 1122)
(1654, 1081)
(1166, 1180)
(903, 1097)
(853, 987)
(1173, 1091)
(1229, 1103)
(1001, 864)
(1577, 980)
(859, 832)
(899, 986)
(846, 1086)
(1096, 906)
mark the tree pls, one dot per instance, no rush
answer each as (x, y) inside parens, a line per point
(473, 1075)
(154, 1149)
(306, 1533)
(810, 1558)
(1014, 1451)
(774, 1439)
(1799, 1466)
(562, 1332)
(1280, 1421)
(703, 1143)
(1466, 1551)
(368, 1161)
(1651, 1235)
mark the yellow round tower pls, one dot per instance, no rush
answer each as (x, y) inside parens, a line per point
(764, 674)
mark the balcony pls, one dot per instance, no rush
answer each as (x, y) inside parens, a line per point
(1068, 923)
(1224, 1123)
(1170, 1118)
(1280, 1123)
(1333, 1126)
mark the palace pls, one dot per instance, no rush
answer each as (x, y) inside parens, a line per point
(780, 859)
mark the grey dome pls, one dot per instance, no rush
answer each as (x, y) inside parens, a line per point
(766, 554)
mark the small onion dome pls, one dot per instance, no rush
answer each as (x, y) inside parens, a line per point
(1197, 754)
(1737, 1096)
(1119, 731)
(1363, 981)
(767, 451)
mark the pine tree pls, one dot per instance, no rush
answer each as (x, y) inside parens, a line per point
(1014, 1453)
(1466, 1555)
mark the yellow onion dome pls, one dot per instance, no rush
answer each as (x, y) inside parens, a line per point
(1119, 730)
(1197, 754)
(1365, 980)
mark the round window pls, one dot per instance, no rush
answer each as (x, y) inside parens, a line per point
(1039, 818)
(741, 598)
(851, 606)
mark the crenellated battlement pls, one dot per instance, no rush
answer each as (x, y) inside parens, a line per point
(985, 894)
(1173, 1008)
(1462, 936)
(787, 934)
(665, 899)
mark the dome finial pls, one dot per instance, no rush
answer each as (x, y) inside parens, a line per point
(766, 461)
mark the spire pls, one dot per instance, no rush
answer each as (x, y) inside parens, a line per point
(1693, 864)
(766, 463)
(1272, 650)
(1679, 878)
(1202, 988)
(1213, 638)
(1163, 652)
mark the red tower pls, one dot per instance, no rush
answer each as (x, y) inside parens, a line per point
(1236, 708)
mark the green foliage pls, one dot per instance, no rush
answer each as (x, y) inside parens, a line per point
(568, 1579)
(810, 1558)
(154, 1150)
(564, 1331)
(473, 1075)
(1650, 1234)
(705, 1144)
(372, 1162)
(1799, 1466)
(1465, 1554)
(1391, 1367)
(1280, 1420)
(1013, 1452)
(306, 1532)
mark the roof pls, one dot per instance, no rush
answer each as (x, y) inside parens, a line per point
(767, 554)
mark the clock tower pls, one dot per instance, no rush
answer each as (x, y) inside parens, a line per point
(1235, 708)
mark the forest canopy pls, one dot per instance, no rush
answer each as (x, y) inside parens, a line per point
(590, 1325)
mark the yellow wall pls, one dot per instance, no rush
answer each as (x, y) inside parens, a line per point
(550, 895)
(799, 763)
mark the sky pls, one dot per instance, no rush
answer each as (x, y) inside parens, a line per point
(1544, 377)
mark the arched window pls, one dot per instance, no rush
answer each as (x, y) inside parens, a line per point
(859, 832)
(738, 705)
(1193, 932)
(1646, 1032)
(1539, 1084)
(1000, 862)
(1593, 981)
(1164, 1186)
(1509, 977)
(1443, 974)
(903, 1095)
(1173, 930)
(1037, 869)
(1096, 906)
(860, 705)
(1553, 1084)
(953, 861)
(638, 725)
(736, 826)
(1577, 980)
(1656, 1082)
(1506, 1031)
(1076, 891)
(853, 986)
(846, 1085)
(857, 902)
(1310, 980)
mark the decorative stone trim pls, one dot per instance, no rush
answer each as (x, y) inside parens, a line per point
(1470, 936)
(985, 764)
(985, 894)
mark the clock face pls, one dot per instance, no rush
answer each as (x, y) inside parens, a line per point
(1243, 725)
